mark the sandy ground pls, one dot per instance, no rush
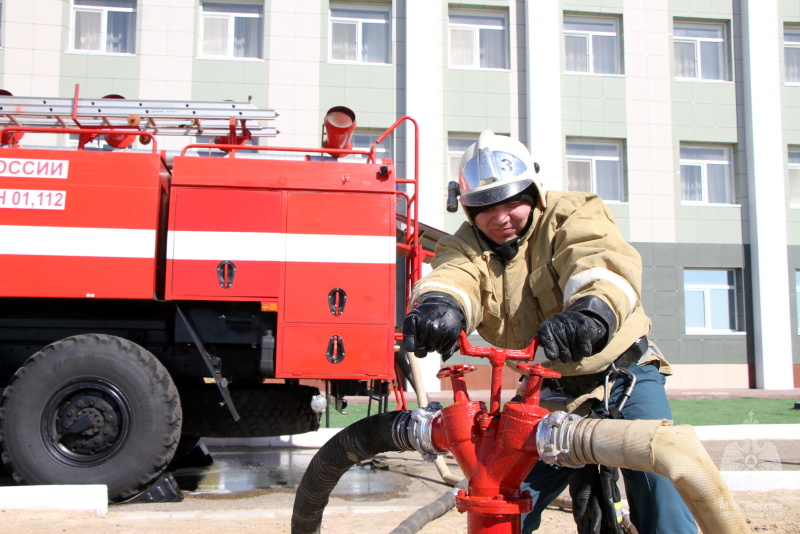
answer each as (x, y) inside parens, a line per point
(776, 512)
(271, 510)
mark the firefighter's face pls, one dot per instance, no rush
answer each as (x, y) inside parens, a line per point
(504, 222)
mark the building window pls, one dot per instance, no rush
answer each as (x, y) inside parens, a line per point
(706, 175)
(456, 146)
(595, 168)
(794, 177)
(797, 297)
(360, 35)
(106, 26)
(710, 298)
(591, 45)
(98, 143)
(478, 40)
(364, 139)
(700, 51)
(791, 53)
(231, 30)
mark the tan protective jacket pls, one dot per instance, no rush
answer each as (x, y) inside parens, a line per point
(572, 249)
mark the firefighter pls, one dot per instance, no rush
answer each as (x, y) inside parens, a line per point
(531, 262)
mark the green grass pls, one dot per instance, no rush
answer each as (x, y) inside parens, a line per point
(355, 411)
(702, 412)
(697, 412)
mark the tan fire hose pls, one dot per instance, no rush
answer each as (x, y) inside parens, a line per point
(655, 446)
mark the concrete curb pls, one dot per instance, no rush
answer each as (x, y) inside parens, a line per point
(761, 481)
(737, 432)
(88, 497)
(309, 440)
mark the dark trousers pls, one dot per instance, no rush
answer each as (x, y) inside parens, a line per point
(656, 506)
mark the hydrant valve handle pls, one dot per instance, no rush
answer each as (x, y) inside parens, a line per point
(497, 355)
(456, 374)
(536, 369)
(497, 358)
(455, 370)
(533, 386)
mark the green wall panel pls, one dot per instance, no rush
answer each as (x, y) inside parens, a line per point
(663, 300)
(99, 75)
(231, 80)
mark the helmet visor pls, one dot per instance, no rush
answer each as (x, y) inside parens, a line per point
(489, 167)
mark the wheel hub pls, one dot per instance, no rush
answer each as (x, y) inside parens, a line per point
(87, 423)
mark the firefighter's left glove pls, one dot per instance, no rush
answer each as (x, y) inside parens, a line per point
(582, 329)
(434, 325)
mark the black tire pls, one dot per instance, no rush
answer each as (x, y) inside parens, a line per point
(90, 409)
(266, 410)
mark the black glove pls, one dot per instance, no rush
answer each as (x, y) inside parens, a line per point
(579, 331)
(595, 499)
(434, 325)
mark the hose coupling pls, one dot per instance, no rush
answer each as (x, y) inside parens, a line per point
(420, 432)
(553, 437)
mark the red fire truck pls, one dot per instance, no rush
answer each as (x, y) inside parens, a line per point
(148, 297)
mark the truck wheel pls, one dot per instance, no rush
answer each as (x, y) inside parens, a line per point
(90, 409)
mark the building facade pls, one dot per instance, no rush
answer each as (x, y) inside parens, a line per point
(684, 116)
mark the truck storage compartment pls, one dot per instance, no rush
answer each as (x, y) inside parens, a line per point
(340, 258)
(335, 351)
(79, 224)
(224, 243)
(338, 302)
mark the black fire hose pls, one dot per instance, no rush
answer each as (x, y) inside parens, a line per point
(384, 432)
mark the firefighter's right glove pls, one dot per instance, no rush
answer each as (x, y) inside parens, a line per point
(434, 325)
(582, 329)
(596, 500)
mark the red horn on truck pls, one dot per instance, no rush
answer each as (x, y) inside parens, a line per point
(10, 138)
(337, 128)
(121, 140)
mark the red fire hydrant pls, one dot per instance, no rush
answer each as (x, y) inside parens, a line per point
(495, 449)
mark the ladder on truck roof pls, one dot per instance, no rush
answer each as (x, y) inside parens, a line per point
(158, 117)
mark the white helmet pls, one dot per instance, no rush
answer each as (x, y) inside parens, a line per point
(494, 170)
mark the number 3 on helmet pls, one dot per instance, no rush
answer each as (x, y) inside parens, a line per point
(495, 169)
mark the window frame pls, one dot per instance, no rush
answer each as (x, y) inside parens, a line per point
(593, 160)
(793, 174)
(703, 164)
(104, 12)
(231, 17)
(696, 41)
(476, 30)
(791, 45)
(590, 43)
(359, 23)
(708, 328)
